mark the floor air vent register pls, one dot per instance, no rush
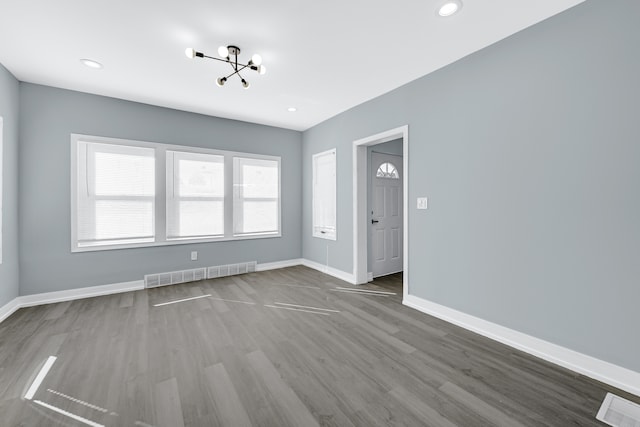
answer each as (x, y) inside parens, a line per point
(618, 412)
(195, 274)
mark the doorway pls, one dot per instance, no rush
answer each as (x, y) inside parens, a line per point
(385, 205)
(361, 213)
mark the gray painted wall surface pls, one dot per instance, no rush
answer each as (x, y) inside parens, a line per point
(48, 116)
(9, 106)
(529, 152)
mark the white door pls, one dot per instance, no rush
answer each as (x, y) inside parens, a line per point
(386, 218)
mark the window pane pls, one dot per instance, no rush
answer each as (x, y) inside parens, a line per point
(260, 180)
(116, 188)
(259, 217)
(116, 219)
(324, 194)
(201, 178)
(195, 194)
(256, 196)
(120, 174)
(387, 170)
(200, 218)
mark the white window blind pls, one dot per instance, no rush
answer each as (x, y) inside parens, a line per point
(116, 194)
(195, 195)
(256, 196)
(324, 194)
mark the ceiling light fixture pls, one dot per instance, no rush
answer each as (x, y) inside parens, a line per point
(230, 56)
(292, 109)
(91, 63)
(449, 7)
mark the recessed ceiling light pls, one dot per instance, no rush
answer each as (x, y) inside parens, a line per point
(292, 109)
(91, 63)
(449, 7)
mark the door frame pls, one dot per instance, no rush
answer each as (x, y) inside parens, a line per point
(360, 234)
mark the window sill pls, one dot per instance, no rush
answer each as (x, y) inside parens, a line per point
(173, 242)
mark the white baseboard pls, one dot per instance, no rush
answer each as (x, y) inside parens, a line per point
(8, 309)
(339, 274)
(73, 294)
(94, 291)
(616, 376)
(278, 264)
(68, 295)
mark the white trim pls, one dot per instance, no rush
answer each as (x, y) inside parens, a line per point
(614, 375)
(360, 235)
(278, 264)
(9, 308)
(80, 293)
(339, 274)
(136, 285)
(67, 295)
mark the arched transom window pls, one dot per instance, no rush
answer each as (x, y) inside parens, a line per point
(387, 170)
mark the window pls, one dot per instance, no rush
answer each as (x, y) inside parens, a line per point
(195, 195)
(1, 183)
(256, 190)
(324, 195)
(133, 194)
(387, 170)
(116, 194)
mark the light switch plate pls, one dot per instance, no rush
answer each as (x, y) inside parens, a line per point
(422, 203)
(194, 255)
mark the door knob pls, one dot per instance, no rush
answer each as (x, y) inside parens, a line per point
(374, 221)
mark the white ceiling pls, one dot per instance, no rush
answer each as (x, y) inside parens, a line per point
(322, 57)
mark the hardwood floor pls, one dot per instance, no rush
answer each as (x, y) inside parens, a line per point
(278, 348)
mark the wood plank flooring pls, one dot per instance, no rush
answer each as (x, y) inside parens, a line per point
(277, 348)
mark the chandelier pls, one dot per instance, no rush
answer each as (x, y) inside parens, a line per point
(229, 54)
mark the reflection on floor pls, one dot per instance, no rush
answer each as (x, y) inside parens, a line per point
(289, 347)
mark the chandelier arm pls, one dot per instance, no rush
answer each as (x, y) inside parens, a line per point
(227, 61)
(237, 71)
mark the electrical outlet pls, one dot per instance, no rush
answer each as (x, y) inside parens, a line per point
(422, 203)
(194, 255)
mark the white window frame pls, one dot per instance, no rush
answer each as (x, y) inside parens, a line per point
(172, 199)
(239, 198)
(321, 230)
(87, 187)
(160, 206)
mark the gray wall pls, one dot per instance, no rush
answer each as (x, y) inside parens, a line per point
(529, 152)
(48, 116)
(9, 106)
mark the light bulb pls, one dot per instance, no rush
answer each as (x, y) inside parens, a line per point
(190, 52)
(292, 109)
(221, 80)
(449, 8)
(245, 84)
(256, 59)
(262, 69)
(223, 51)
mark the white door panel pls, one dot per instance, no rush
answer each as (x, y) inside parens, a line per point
(386, 219)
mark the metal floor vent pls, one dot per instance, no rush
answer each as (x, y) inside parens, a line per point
(618, 412)
(184, 276)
